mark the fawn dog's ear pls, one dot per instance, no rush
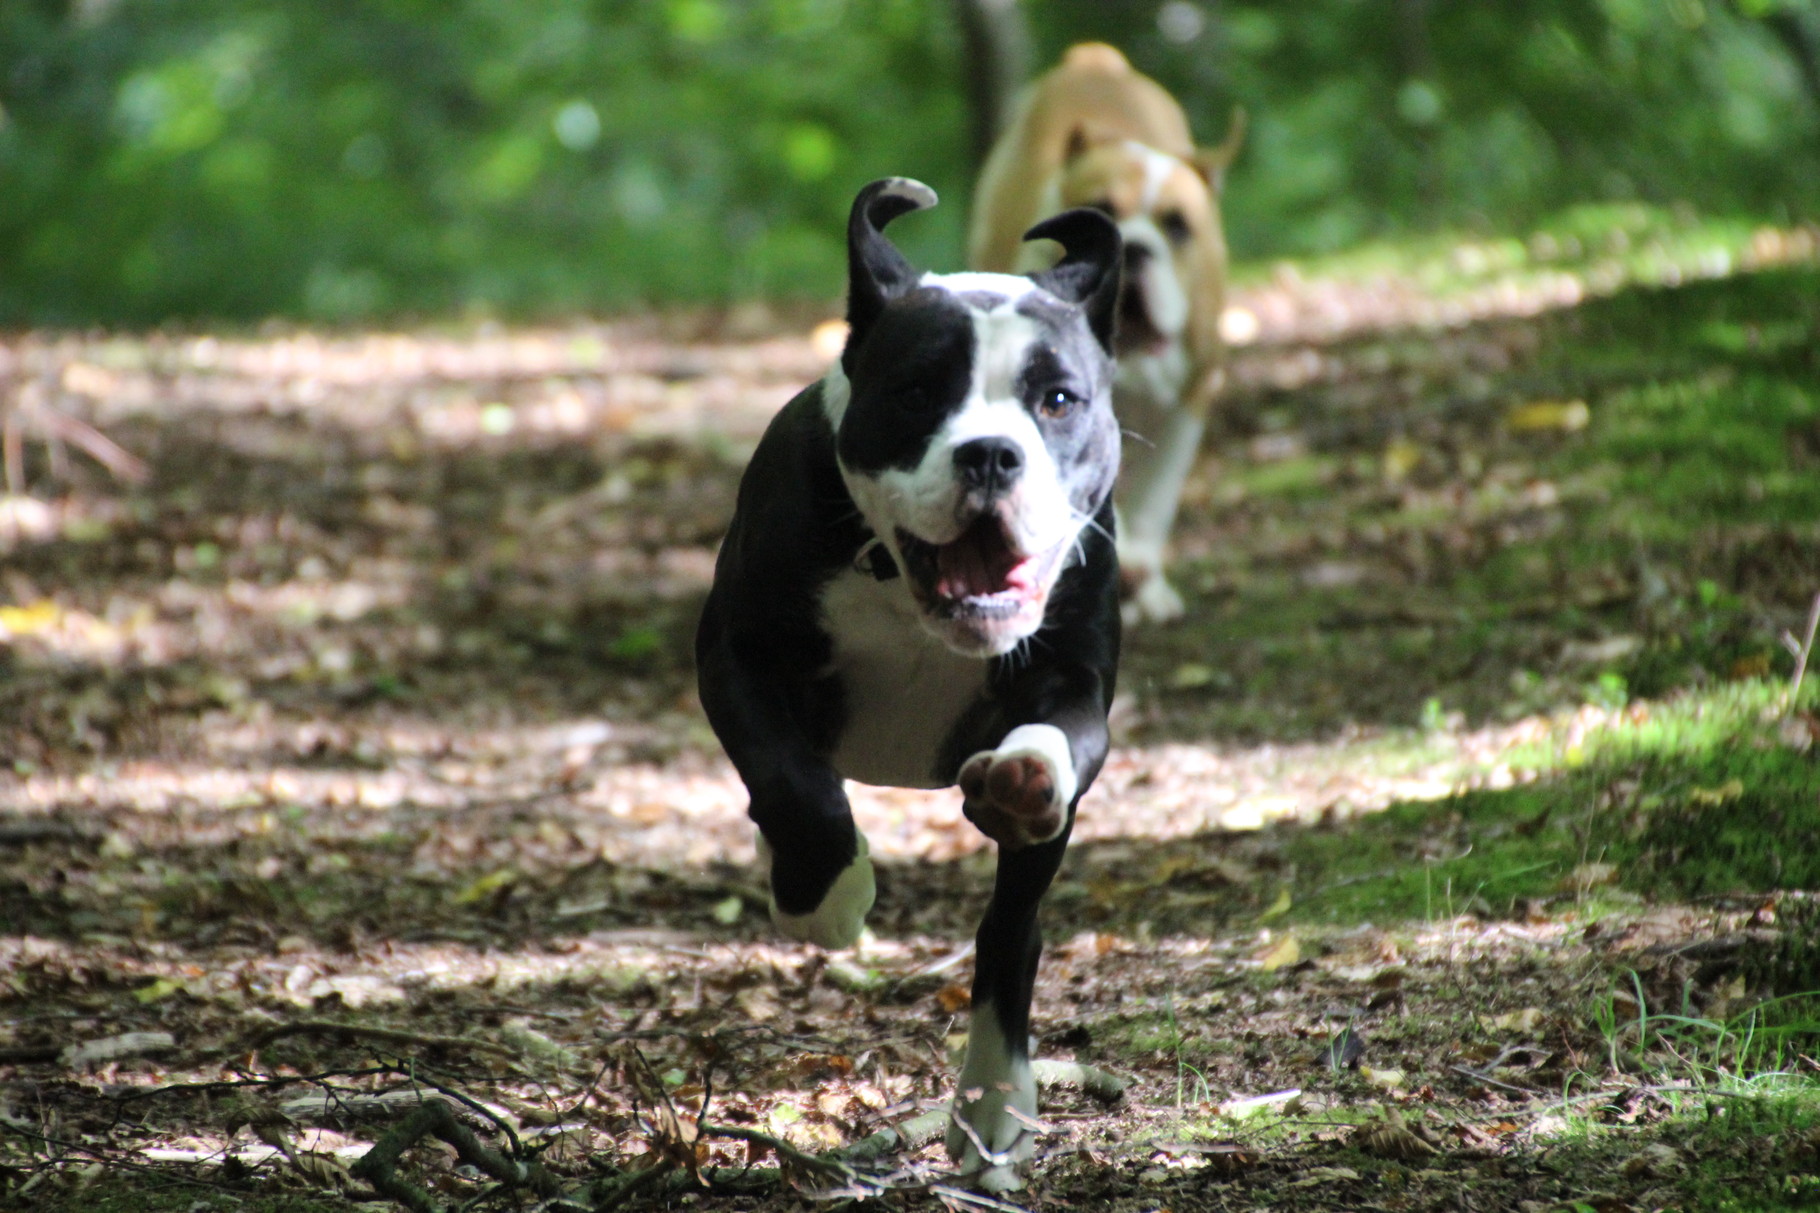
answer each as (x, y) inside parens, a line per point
(1212, 162)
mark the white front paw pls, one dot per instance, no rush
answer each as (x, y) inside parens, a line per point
(840, 918)
(1153, 600)
(1001, 1168)
(1018, 795)
(992, 1127)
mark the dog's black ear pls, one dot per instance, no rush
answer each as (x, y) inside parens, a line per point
(1088, 273)
(876, 271)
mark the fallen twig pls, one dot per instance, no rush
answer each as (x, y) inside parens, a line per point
(99, 447)
(57, 428)
(435, 1118)
(610, 1194)
(821, 1164)
(904, 1135)
(1489, 1081)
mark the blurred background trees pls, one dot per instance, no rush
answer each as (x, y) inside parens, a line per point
(348, 160)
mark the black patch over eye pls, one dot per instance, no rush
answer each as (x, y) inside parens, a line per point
(1175, 227)
(913, 398)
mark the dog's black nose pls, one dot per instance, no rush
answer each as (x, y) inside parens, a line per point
(1137, 256)
(991, 465)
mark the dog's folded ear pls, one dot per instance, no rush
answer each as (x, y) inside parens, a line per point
(1211, 162)
(1088, 273)
(876, 271)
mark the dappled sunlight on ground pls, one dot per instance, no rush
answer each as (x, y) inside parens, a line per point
(358, 746)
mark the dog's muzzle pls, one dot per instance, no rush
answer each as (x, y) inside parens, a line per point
(1138, 331)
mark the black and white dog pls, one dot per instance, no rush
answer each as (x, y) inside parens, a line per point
(919, 589)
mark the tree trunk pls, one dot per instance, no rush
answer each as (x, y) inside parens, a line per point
(996, 61)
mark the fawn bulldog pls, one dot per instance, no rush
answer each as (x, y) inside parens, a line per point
(1095, 133)
(919, 589)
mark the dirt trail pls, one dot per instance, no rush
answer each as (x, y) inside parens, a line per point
(372, 708)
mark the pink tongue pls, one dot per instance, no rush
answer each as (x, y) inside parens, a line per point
(979, 562)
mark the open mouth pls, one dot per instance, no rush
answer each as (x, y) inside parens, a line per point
(980, 573)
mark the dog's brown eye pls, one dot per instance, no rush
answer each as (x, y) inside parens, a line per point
(1175, 227)
(1058, 402)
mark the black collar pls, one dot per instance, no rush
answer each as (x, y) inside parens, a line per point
(875, 558)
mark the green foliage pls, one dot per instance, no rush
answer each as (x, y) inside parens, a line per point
(362, 158)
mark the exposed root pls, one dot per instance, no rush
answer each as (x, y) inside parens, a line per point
(1103, 1085)
(435, 1118)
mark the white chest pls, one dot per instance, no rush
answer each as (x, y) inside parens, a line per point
(905, 690)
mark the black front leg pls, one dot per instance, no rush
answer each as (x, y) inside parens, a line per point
(1046, 730)
(990, 1136)
(762, 710)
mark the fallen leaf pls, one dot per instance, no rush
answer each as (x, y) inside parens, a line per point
(1392, 1139)
(1710, 797)
(1401, 457)
(953, 999)
(1526, 1020)
(1192, 674)
(39, 616)
(1586, 877)
(1539, 415)
(1279, 907)
(117, 1048)
(486, 886)
(1286, 951)
(164, 987)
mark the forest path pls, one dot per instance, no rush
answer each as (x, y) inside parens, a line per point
(372, 705)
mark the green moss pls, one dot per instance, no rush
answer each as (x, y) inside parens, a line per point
(1685, 798)
(1714, 1139)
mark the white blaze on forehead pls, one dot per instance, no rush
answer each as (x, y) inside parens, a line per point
(1003, 339)
(1012, 286)
(1158, 168)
